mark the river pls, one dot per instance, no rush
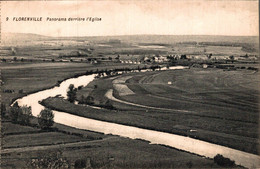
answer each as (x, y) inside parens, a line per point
(155, 137)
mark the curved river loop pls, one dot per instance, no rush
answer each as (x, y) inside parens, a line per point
(188, 144)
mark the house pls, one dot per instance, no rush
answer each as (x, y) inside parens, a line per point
(147, 59)
(160, 59)
(205, 66)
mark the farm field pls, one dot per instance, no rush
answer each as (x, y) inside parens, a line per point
(34, 137)
(107, 152)
(36, 47)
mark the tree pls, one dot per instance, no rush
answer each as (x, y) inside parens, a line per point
(108, 105)
(222, 161)
(72, 92)
(209, 56)
(82, 100)
(25, 116)
(90, 100)
(45, 118)
(80, 87)
(20, 115)
(183, 57)
(118, 57)
(14, 112)
(232, 58)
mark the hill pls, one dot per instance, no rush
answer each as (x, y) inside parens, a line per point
(28, 38)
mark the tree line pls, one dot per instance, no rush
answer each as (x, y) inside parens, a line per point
(23, 115)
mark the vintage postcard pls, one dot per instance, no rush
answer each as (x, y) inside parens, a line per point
(129, 84)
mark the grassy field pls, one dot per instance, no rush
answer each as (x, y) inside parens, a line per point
(102, 151)
(112, 152)
(222, 106)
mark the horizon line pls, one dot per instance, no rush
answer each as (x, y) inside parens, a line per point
(131, 35)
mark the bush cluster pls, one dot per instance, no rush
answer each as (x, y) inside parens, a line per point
(222, 161)
(21, 115)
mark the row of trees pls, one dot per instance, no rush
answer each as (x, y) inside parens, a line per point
(89, 100)
(23, 115)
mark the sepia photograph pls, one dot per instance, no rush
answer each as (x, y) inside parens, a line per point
(150, 84)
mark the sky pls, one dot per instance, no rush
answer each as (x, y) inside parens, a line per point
(132, 17)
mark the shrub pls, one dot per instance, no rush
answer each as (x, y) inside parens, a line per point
(90, 100)
(80, 87)
(80, 163)
(82, 100)
(222, 161)
(45, 119)
(108, 105)
(53, 160)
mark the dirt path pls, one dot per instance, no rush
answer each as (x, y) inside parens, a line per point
(109, 95)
